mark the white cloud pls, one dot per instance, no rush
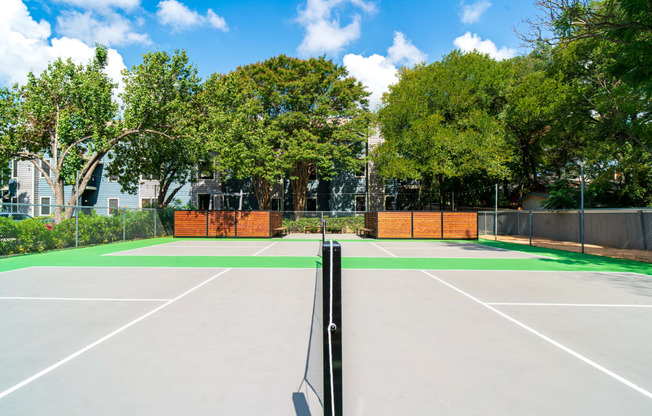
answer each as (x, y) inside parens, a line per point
(180, 17)
(112, 30)
(470, 42)
(324, 33)
(25, 44)
(378, 72)
(471, 13)
(403, 51)
(102, 4)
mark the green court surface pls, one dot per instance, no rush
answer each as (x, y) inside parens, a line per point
(99, 256)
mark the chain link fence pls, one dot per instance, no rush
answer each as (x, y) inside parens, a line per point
(620, 233)
(30, 228)
(336, 221)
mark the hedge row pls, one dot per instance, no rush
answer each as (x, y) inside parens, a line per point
(347, 224)
(35, 235)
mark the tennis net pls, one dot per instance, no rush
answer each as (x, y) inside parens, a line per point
(324, 365)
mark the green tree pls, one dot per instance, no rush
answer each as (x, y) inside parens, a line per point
(441, 123)
(290, 116)
(605, 46)
(244, 145)
(160, 94)
(64, 122)
(8, 108)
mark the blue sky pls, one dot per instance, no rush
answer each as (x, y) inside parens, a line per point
(371, 38)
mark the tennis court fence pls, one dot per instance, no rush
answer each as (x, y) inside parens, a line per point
(621, 233)
(30, 228)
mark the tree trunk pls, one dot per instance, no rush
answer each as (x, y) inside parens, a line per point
(262, 192)
(300, 187)
(58, 199)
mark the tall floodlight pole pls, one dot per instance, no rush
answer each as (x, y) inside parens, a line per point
(582, 205)
(496, 215)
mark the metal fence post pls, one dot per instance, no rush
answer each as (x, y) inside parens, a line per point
(77, 213)
(582, 203)
(124, 224)
(531, 226)
(155, 215)
(496, 216)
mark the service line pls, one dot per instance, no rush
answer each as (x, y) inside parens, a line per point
(83, 299)
(260, 251)
(583, 305)
(376, 245)
(547, 339)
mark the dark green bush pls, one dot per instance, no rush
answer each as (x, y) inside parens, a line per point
(35, 235)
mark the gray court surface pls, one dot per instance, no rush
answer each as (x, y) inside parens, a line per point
(499, 343)
(236, 345)
(165, 341)
(368, 248)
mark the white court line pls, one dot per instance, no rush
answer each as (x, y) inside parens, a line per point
(260, 251)
(597, 305)
(84, 299)
(391, 254)
(101, 340)
(16, 270)
(547, 339)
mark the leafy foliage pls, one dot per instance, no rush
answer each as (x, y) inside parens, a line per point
(440, 122)
(162, 96)
(287, 116)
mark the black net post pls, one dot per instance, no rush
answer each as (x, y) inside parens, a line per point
(332, 319)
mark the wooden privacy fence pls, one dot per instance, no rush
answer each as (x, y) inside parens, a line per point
(422, 224)
(226, 223)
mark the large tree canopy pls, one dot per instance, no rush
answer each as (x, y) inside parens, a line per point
(288, 116)
(63, 122)
(440, 122)
(162, 95)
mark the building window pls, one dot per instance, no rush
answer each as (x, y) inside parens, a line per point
(148, 202)
(113, 178)
(311, 204)
(390, 203)
(276, 204)
(14, 169)
(206, 170)
(46, 168)
(203, 201)
(45, 205)
(14, 200)
(312, 174)
(114, 203)
(360, 203)
(361, 171)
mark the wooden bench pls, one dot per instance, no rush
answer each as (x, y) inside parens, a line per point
(364, 232)
(283, 231)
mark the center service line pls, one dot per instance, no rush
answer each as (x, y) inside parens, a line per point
(260, 251)
(391, 254)
(548, 339)
(101, 340)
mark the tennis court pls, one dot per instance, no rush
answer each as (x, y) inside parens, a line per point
(165, 326)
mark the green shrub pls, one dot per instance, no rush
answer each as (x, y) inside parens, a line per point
(347, 224)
